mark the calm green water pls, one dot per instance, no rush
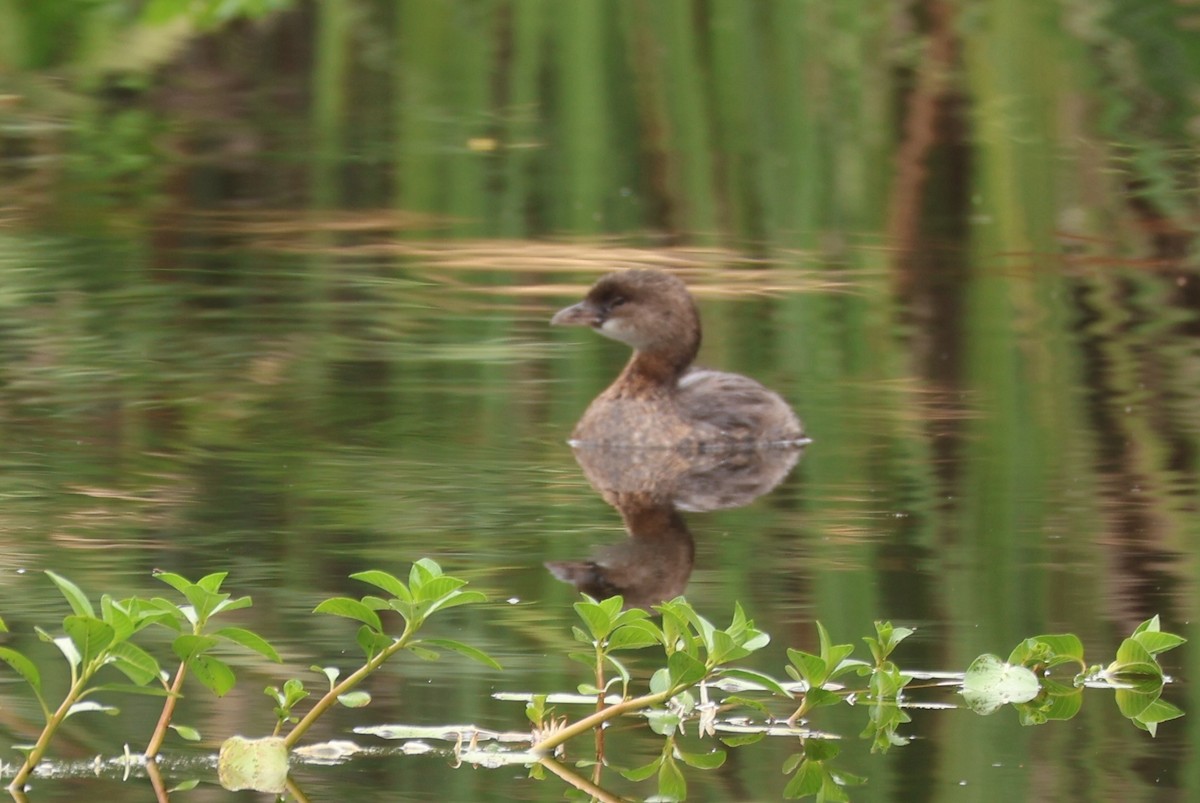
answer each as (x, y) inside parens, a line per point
(274, 301)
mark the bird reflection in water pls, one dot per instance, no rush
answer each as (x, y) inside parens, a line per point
(649, 488)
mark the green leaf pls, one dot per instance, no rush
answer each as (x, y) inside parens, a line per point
(1065, 645)
(821, 749)
(622, 671)
(213, 673)
(23, 667)
(464, 649)
(1157, 642)
(819, 697)
(660, 681)
(746, 702)
(812, 668)
(844, 779)
(187, 646)
(293, 692)
(676, 635)
(89, 635)
(704, 628)
(1136, 671)
(629, 616)
(64, 644)
(386, 582)
(756, 641)
(234, 604)
(724, 649)
(116, 616)
(1156, 712)
(456, 598)
(174, 616)
(612, 606)
(76, 598)
(260, 764)
(749, 675)
(598, 622)
(372, 641)
(249, 640)
(635, 635)
(990, 683)
(175, 581)
(827, 646)
(354, 699)
(129, 688)
(438, 587)
(535, 709)
(808, 780)
(91, 706)
(136, 664)
(424, 653)
(685, 670)
(1137, 697)
(642, 773)
(186, 733)
(377, 603)
(743, 740)
(1059, 703)
(212, 582)
(3, 626)
(205, 602)
(351, 609)
(1151, 625)
(671, 784)
(1131, 651)
(422, 572)
(704, 761)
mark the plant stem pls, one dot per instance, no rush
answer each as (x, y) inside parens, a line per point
(326, 702)
(552, 741)
(599, 708)
(34, 756)
(168, 711)
(582, 784)
(156, 781)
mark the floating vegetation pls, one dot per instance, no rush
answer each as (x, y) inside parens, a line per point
(697, 685)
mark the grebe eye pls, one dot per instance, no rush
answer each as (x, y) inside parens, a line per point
(616, 302)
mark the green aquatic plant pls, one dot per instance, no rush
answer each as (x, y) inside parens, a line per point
(427, 592)
(696, 680)
(94, 641)
(813, 773)
(196, 641)
(695, 651)
(90, 643)
(697, 654)
(1026, 680)
(818, 670)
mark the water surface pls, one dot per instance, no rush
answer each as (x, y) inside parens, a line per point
(254, 323)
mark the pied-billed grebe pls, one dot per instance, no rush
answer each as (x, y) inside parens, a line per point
(660, 399)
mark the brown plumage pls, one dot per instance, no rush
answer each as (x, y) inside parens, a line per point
(660, 399)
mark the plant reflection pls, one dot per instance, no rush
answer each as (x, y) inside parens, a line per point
(649, 488)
